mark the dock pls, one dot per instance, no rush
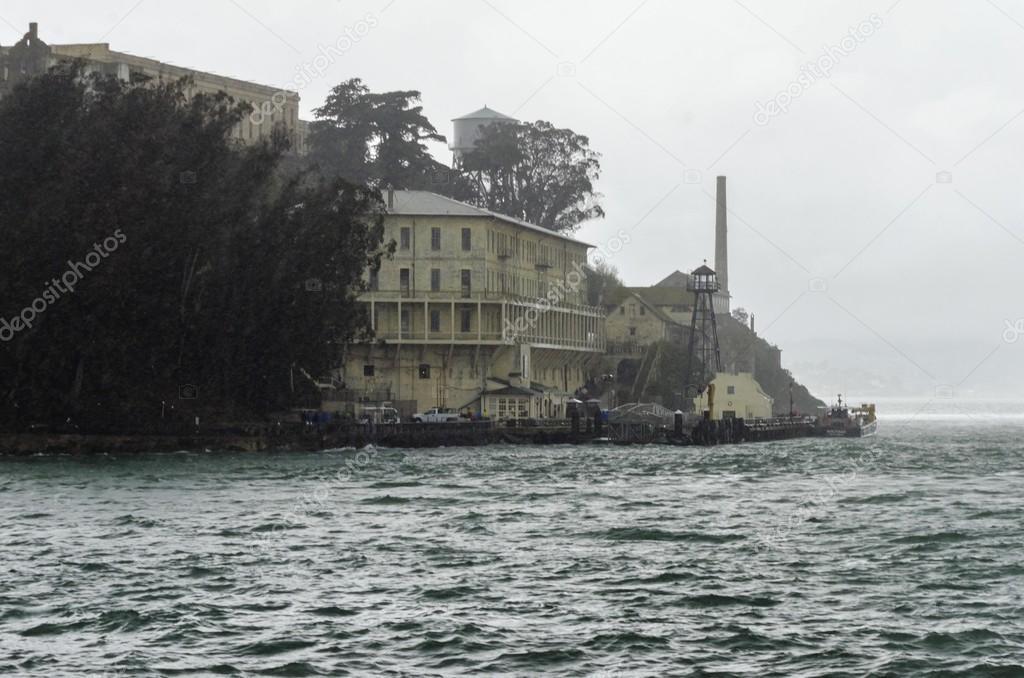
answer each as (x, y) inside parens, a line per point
(683, 431)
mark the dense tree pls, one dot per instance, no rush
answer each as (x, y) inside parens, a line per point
(149, 259)
(531, 171)
(376, 138)
(602, 281)
(536, 172)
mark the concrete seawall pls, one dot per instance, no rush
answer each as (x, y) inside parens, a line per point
(475, 434)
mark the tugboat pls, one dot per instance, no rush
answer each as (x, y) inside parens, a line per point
(841, 421)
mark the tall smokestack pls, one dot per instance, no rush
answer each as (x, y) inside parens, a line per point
(722, 250)
(722, 242)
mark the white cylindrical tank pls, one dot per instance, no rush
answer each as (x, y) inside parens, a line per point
(467, 129)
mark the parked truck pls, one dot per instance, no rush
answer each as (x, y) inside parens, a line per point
(438, 415)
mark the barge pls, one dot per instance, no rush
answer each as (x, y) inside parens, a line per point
(842, 421)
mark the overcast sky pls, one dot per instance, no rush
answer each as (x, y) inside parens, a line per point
(875, 223)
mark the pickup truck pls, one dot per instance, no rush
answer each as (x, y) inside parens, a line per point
(437, 415)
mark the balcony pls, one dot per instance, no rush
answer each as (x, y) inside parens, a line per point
(416, 336)
(500, 319)
(472, 297)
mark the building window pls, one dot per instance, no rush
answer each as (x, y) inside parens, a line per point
(403, 281)
(405, 238)
(466, 320)
(374, 280)
(424, 371)
(367, 370)
(405, 320)
(622, 310)
(467, 239)
(435, 280)
(632, 331)
(731, 390)
(643, 311)
(435, 238)
(435, 321)
(467, 283)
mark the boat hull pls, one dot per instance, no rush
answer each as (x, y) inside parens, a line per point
(864, 431)
(846, 422)
(852, 431)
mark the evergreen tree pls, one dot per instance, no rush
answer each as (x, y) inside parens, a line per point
(376, 138)
(536, 172)
(149, 257)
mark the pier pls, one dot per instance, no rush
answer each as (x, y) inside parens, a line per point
(690, 431)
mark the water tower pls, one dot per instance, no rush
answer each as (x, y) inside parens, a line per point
(704, 360)
(467, 129)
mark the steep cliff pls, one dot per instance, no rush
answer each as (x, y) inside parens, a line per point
(744, 351)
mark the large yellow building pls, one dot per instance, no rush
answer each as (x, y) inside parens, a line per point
(476, 312)
(272, 107)
(641, 316)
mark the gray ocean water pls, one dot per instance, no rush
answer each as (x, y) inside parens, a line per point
(901, 555)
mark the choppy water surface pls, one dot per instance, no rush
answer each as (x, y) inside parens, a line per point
(900, 556)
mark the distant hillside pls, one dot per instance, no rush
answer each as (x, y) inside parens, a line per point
(743, 350)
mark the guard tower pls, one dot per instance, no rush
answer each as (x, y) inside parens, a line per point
(705, 358)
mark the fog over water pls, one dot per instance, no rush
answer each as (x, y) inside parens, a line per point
(876, 223)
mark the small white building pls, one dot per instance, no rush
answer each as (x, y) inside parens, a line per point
(737, 395)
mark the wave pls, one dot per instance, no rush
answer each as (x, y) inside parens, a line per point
(878, 499)
(663, 578)
(333, 611)
(130, 519)
(655, 534)
(626, 641)
(265, 648)
(960, 640)
(297, 669)
(534, 659)
(386, 500)
(711, 600)
(383, 484)
(938, 537)
(52, 628)
(449, 593)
